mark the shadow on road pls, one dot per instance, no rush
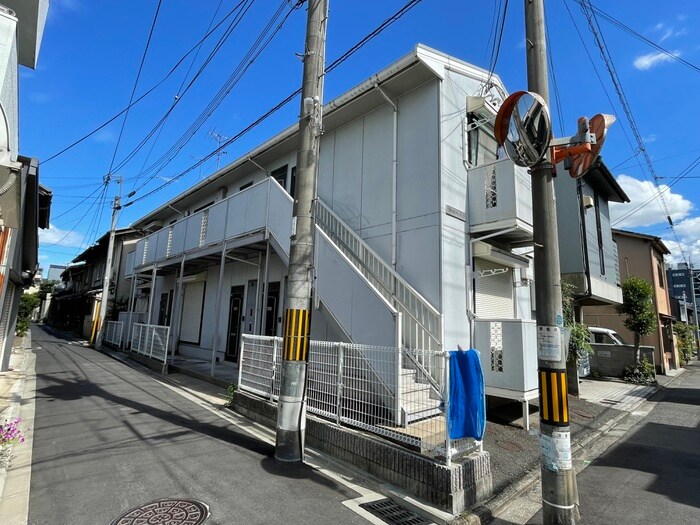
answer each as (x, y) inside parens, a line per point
(77, 389)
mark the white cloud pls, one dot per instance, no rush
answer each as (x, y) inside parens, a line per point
(105, 136)
(645, 62)
(652, 211)
(56, 236)
(667, 34)
(649, 138)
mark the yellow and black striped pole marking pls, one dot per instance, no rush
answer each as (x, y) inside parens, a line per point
(554, 407)
(297, 326)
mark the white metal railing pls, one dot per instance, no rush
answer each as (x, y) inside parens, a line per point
(150, 340)
(113, 332)
(421, 321)
(361, 386)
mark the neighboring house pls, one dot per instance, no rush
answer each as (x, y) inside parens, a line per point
(417, 222)
(587, 251)
(76, 303)
(55, 271)
(24, 203)
(680, 287)
(642, 256)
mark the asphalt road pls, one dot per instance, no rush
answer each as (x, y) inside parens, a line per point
(108, 438)
(651, 474)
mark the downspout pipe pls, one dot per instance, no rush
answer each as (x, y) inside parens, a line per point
(394, 172)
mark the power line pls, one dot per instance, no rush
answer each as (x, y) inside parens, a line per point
(336, 63)
(133, 90)
(145, 94)
(607, 59)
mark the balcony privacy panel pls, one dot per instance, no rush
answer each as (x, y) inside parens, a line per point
(256, 207)
(217, 223)
(194, 227)
(161, 248)
(138, 255)
(279, 215)
(179, 234)
(508, 349)
(150, 248)
(499, 193)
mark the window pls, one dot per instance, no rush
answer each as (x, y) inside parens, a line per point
(293, 182)
(660, 271)
(202, 207)
(480, 142)
(280, 175)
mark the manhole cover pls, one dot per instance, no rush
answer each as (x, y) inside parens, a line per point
(509, 446)
(390, 512)
(165, 512)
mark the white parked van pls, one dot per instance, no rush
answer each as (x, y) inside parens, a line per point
(605, 336)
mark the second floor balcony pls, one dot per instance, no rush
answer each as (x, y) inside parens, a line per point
(500, 200)
(263, 211)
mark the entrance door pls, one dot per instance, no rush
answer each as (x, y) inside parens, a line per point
(271, 309)
(249, 315)
(165, 308)
(234, 323)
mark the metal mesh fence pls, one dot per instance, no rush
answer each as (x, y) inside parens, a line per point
(382, 390)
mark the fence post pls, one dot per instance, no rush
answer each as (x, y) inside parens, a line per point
(240, 362)
(153, 339)
(274, 368)
(446, 402)
(398, 402)
(339, 390)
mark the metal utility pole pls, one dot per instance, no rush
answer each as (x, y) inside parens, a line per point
(559, 490)
(108, 269)
(291, 414)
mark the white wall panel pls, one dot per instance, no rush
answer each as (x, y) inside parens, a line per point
(325, 169)
(418, 152)
(377, 167)
(194, 225)
(347, 178)
(418, 261)
(179, 229)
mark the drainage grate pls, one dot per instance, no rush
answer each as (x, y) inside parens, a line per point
(389, 512)
(166, 511)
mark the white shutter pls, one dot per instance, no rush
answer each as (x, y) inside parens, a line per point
(494, 292)
(192, 312)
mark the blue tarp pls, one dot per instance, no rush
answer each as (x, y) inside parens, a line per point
(467, 412)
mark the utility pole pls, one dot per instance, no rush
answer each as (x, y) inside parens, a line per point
(108, 267)
(559, 490)
(291, 412)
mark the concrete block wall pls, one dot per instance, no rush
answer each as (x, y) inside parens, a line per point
(611, 360)
(463, 485)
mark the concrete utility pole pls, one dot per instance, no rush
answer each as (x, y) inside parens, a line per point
(291, 414)
(559, 490)
(108, 269)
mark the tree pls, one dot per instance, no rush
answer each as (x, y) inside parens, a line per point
(638, 306)
(686, 340)
(27, 303)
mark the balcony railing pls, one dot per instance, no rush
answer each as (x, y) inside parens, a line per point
(264, 206)
(499, 199)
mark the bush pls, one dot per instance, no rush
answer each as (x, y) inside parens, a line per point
(642, 373)
(27, 303)
(686, 341)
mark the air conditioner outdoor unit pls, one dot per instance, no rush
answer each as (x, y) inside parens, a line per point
(482, 108)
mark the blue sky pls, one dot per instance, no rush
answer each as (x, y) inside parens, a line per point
(92, 49)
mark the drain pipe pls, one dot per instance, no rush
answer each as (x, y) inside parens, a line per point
(394, 172)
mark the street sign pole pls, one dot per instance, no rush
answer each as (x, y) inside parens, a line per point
(559, 490)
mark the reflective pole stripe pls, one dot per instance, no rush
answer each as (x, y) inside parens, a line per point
(554, 406)
(296, 334)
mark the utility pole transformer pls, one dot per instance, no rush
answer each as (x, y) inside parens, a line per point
(291, 413)
(559, 490)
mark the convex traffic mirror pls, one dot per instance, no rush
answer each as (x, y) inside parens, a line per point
(523, 128)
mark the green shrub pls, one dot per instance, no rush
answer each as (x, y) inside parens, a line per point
(686, 341)
(27, 303)
(641, 373)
